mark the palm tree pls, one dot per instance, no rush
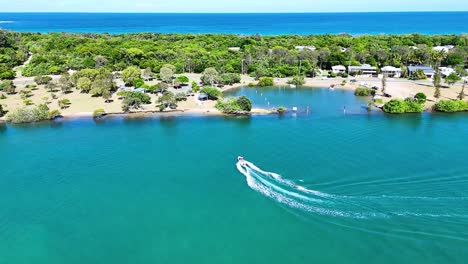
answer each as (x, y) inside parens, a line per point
(437, 57)
(384, 84)
(461, 95)
(436, 81)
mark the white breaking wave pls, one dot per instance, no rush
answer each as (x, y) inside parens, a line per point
(6, 22)
(288, 193)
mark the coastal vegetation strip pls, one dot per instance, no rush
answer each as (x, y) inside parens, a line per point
(273, 56)
(140, 70)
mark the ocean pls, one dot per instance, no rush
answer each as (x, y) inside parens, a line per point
(355, 187)
(266, 24)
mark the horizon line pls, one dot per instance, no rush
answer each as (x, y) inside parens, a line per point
(273, 12)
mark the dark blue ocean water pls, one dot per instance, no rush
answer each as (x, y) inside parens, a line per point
(266, 24)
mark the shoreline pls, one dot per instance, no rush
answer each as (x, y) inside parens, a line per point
(145, 113)
(83, 105)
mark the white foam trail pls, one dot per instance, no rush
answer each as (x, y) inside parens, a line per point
(287, 192)
(280, 193)
(281, 198)
(6, 22)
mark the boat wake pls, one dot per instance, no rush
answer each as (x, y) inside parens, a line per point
(292, 195)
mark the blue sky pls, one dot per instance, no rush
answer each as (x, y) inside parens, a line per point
(231, 5)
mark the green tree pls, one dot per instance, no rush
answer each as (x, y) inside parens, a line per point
(170, 66)
(183, 79)
(413, 106)
(244, 103)
(130, 74)
(6, 73)
(84, 84)
(210, 76)
(195, 87)
(103, 81)
(167, 100)
(212, 92)
(2, 112)
(98, 113)
(265, 81)
(166, 74)
(138, 83)
(130, 103)
(88, 73)
(418, 75)
(41, 80)
(147, 74)
(181, 97)
(421, 98)
(177, 84)
(32, 114)
(230, 78)
(65, 83)
(100, 61)
(106, 95)
(51, 86)
(395, 106)
(8, 87)
(450, 106)
(297, 80)
(162, 87)
(53, 114)
(240, 105)
(364, 91)
(452, 79)
(64, 103)
(133, 100)
(437, 57)
(25, 94)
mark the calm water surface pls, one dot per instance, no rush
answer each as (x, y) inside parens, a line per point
(375, 188)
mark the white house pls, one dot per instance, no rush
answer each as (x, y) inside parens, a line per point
(339, 69)
(392, 72)
(364, 69)
(301, 48)
(428, 71)
(445, 48)
(446, 71)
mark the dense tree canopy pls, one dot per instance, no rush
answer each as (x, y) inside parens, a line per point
(274, 56)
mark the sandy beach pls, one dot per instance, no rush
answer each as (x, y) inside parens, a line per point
(83, 105)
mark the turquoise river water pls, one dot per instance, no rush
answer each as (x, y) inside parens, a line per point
(354, 188)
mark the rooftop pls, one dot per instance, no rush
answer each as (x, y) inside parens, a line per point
(425, 69)
(420, 67)
(306, 47)
(339, 67)
(445, 48)
(390, 69)
(363, 66)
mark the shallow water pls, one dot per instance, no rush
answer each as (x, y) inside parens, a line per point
(389, 189)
